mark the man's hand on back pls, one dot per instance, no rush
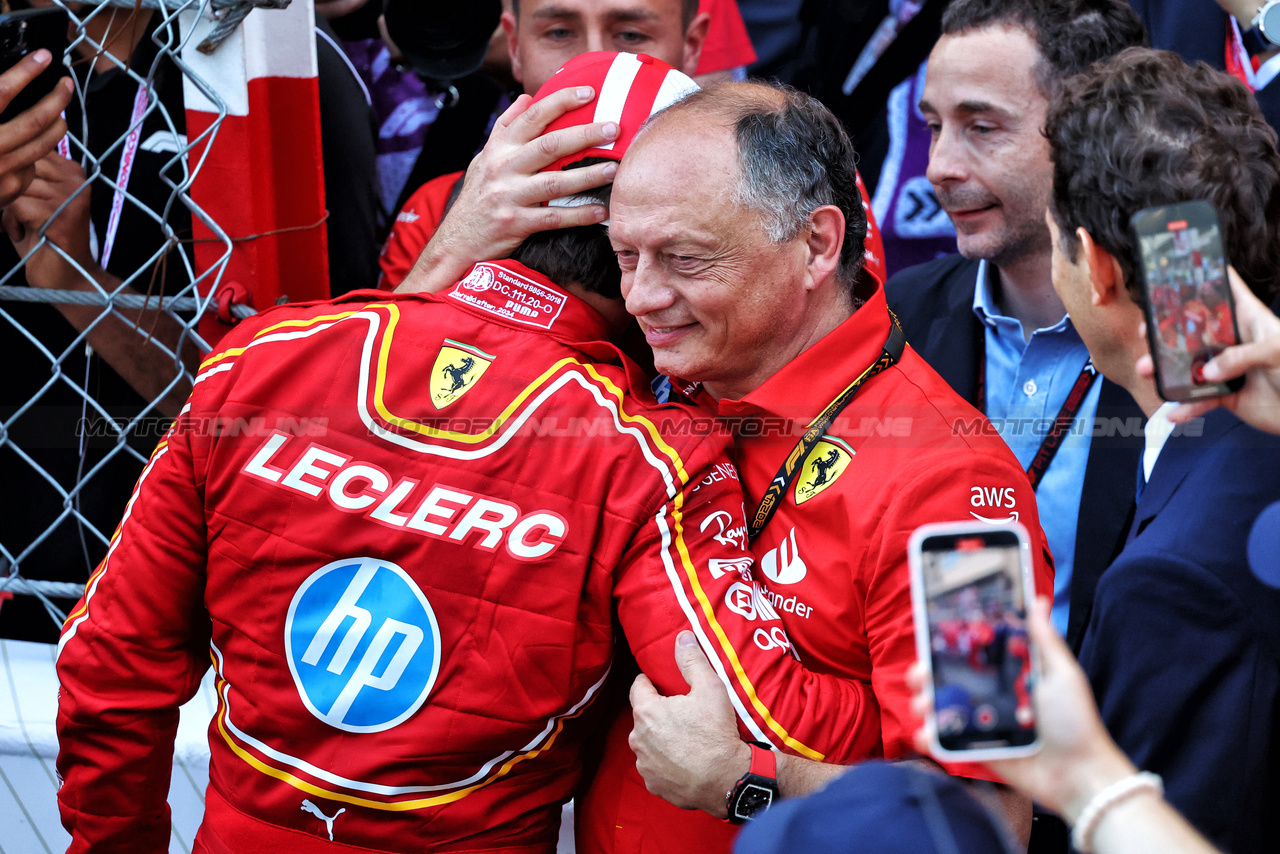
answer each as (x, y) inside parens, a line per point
(503, 196)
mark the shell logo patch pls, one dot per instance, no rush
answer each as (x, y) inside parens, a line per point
(457, 369)
(826, 462)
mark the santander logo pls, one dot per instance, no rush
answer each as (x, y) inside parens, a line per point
(784, 565)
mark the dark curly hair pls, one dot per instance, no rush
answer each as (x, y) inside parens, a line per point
(1146, 129)
(794, 157)
(1070, 35)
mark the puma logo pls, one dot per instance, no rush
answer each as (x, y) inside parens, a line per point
(307, 806)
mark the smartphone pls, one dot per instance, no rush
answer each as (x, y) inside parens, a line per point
(23, 33)
(1190, 314)
(970, 589)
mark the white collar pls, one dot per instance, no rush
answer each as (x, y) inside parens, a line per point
(1157, 432)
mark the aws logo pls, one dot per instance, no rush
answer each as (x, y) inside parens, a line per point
(363, 645)
(458, 367)
(826, 462)
(996, 498)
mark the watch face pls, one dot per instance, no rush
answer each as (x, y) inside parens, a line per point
(1269, 23)
(752, 800)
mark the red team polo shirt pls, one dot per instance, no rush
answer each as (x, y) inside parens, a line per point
(907, 451)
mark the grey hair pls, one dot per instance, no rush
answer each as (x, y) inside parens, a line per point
(793, 158)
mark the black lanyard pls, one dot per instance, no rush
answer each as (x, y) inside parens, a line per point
(1061, 425)
(817, 428)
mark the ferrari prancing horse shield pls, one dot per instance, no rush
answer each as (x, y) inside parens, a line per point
(826, 462)
(458, 367)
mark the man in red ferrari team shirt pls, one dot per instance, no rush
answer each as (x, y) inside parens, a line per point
(402, 529)
(736, 224)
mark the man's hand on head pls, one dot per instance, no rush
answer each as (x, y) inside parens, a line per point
(504, 194)
(687, 746)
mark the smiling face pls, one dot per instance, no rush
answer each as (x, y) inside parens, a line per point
(988, 159)
(717, 301)
(548, 33)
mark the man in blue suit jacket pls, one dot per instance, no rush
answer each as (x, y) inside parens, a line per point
(989, 322)
(1183, 645)
(934, 303)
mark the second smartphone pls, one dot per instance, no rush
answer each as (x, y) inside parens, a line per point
(970, 589)
(1190, 314)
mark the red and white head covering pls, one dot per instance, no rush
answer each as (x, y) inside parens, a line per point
(629, 88)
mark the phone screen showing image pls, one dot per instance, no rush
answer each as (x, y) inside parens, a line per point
(976, 608)
(1190, 315)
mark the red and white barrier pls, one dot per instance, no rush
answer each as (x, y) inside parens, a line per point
(260, 171)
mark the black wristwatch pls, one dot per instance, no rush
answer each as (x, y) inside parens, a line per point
(757, 788)
(1263, 35)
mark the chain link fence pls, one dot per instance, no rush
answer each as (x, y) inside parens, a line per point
(101, 300)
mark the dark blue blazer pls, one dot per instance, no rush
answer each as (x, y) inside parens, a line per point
(1183, 646)
(934, 302)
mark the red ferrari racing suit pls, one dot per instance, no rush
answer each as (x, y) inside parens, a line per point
(399, 528)
(906, 451)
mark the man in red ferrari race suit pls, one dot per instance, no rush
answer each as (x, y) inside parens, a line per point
(400, 528)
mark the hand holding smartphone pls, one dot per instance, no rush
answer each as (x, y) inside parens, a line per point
(22, 33)
(1190, 314)
(970, 589)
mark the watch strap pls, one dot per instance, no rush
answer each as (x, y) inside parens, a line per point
(763, 761)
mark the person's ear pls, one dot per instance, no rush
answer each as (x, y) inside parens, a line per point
(824, 243)
(1106, 281)
(508, 21)
(694, 39)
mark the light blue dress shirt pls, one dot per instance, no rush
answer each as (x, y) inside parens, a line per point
(1027, 381)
